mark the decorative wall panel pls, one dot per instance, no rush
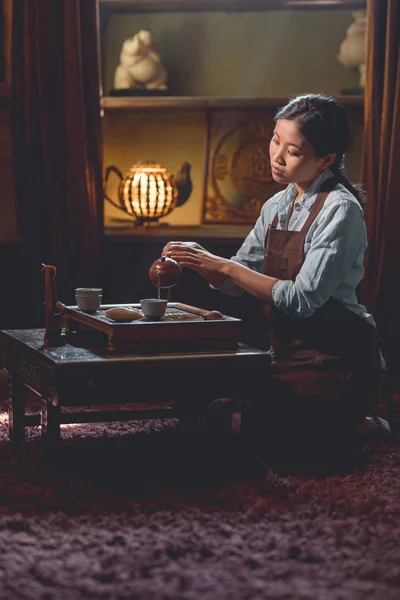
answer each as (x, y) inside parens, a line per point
(238, 176)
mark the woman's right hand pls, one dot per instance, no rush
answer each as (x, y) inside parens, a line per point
(213, 278)
(167, 246)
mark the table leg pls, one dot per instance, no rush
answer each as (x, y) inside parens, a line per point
(16, 410)
(50, 421)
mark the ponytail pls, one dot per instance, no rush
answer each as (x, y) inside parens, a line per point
(339, 177)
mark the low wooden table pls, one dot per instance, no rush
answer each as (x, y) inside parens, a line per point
(157, 385)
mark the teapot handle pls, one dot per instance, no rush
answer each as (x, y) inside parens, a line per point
(109, 169)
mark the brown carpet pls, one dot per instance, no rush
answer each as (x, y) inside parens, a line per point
(151, 510)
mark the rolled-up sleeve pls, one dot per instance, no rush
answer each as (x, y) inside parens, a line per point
(336, 241)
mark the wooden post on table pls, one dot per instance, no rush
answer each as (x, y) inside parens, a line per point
(52, 318)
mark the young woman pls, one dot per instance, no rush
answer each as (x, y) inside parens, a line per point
(304, 260)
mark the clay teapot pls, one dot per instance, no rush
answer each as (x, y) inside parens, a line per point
(165, 272)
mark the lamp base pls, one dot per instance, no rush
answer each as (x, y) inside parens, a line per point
(139, 223)
(148, 224)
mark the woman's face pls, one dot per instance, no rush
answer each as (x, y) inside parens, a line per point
(293, 159)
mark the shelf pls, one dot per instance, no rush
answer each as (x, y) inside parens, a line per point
(229, 5)
(216, 234)
(118, 104)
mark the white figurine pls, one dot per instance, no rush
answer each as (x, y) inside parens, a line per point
(140, 64)
(353, 48)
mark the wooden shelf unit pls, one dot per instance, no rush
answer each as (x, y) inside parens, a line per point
(137, 103)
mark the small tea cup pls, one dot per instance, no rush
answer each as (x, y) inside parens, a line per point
(153, 308)
(88, 299)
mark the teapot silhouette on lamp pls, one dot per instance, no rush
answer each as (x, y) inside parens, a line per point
(148, 191)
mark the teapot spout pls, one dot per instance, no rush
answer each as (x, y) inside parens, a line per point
(184, 183)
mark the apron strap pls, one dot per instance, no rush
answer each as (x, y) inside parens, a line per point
(315, 210)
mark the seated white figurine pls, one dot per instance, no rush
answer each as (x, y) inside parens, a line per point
(140, 64)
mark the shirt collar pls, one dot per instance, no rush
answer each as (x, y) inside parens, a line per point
(308, 197)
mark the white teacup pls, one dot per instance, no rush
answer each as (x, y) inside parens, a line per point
(153, 308)
(88, 299)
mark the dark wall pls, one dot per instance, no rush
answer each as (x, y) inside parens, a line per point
(15, 295)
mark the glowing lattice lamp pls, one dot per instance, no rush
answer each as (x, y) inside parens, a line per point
(148, 191)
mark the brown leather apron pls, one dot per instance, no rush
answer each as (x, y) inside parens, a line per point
(330, 357)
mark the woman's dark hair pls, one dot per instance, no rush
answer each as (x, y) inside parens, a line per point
(323, 121)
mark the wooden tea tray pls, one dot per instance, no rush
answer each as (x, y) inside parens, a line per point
(182, 327)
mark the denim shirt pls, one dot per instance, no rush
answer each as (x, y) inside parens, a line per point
(334, 250)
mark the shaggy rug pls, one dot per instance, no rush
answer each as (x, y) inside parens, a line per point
(154, 510)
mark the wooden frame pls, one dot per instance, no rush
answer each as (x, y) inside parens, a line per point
(229, 5)
(237, 144)
(5, 49)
